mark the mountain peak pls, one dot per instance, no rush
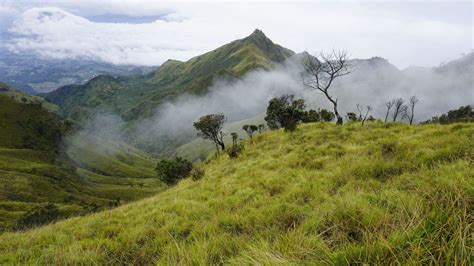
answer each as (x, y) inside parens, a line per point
(259, 37)
(273, 51)
(258, 33)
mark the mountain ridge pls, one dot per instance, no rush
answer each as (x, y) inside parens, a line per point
(144, 93)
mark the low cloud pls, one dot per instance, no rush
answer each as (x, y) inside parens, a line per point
(407, 33)
(374, 82)
(54, 33)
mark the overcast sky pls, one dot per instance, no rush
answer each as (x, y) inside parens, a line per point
(422, 33)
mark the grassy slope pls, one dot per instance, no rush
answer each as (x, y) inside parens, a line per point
(34, 170)
(377, 194)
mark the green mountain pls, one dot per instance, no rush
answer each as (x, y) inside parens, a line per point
(43, 160)
(136, 97)
(380, 194)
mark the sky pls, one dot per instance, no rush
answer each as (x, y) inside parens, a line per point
(140, 32)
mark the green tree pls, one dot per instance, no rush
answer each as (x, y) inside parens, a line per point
(250, 129)
(462, 114)
(326, 116)
(284, 112)
(210, 127)
(170, 171)
(311, 116)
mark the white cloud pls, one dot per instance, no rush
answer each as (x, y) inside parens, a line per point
(187, 29)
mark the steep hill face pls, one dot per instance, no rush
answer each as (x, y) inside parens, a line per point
(43, 160)
(138, 96)
(233, 59)
(326, 194)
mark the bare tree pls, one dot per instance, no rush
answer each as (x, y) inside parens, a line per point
(368, 108)
(389, 105)
(322, 70)
(360, 109)
(210, 127)
(404, 113)
(413, 101)
(398, 108)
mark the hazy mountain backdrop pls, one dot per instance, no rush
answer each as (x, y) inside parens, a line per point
(155, 112)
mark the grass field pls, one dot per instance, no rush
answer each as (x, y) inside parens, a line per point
(378, 194)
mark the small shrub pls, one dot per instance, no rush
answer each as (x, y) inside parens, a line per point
(39, 216)
(388, 149)
(351, 116)
(170, 171)
(197, 173)
(235, 150)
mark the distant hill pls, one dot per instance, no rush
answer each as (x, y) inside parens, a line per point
(325, 194)
(44, 160)
(33, 74)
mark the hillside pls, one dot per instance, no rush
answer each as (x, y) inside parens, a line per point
(43, 160)
(379, 194)
(138, 96)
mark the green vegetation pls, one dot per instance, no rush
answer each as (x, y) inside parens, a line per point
(45, 175)
(22, 97)
(326, 194)
(171, 171)
(462, 114)
(236, 147)
(285, 112)
(137, 97)
(209, 127)
(250, 129)
(318, 115)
